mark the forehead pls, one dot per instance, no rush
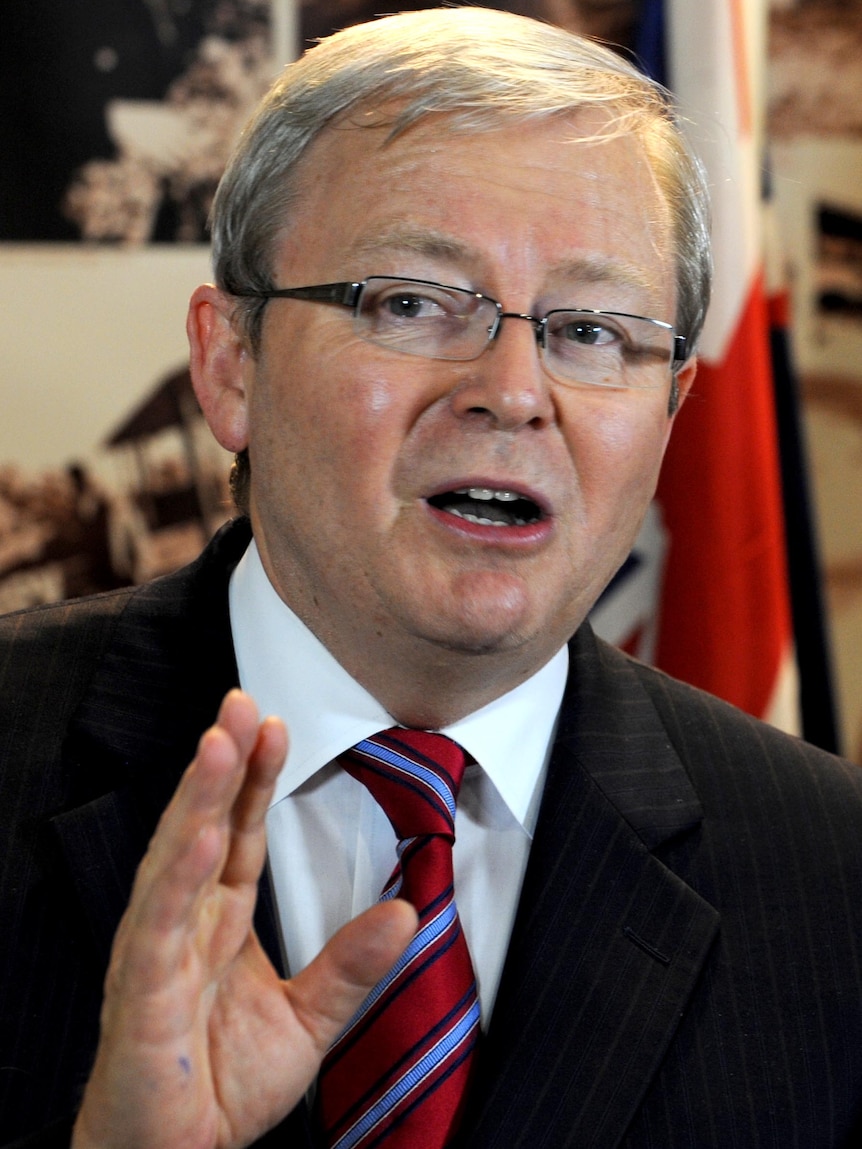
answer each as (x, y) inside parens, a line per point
(561, 197)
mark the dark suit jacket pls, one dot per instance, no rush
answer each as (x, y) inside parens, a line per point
(685, 966)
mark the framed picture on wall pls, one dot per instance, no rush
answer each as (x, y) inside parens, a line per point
(116, 115)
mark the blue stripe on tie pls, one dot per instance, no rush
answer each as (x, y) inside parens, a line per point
(421, 942)
(392, 891)
(407, 766)
(428, 1041)
(448, 1044)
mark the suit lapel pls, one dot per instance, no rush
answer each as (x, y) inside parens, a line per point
(608, 942)
(155, 690)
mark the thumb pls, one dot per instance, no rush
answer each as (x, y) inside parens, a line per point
(327, 993)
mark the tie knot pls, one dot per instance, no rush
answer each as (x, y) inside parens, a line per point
(414, 775)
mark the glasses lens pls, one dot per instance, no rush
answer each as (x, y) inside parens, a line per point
(607, 349)
(425, 319)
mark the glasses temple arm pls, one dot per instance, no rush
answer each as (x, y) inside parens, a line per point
(344, 294)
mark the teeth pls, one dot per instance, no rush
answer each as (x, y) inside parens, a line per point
(470, 518)
(466, 503)
(485, 494)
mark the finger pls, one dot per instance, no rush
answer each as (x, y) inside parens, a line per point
(188, 850)
(209, 787)
(228, 783)
(238, 718)
(151, 942)
(247, 844)
(262, 769)
(329, 991)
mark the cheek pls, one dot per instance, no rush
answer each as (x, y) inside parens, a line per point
(617, 448)
(336, 422)
(367, 418)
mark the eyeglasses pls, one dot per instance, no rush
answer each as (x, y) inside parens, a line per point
(431, 320)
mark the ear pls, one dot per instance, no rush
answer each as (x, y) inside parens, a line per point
(683, 380)
(220, 365)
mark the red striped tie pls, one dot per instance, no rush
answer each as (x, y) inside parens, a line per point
(398, 1074)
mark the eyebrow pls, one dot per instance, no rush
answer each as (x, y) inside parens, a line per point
(591, 269)
(433, 244)
(437, 245)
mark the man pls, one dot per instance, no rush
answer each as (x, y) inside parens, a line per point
(658, 894)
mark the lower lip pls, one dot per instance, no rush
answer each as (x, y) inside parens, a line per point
(529, 535)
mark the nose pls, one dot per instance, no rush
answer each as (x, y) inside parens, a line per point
(507, 383)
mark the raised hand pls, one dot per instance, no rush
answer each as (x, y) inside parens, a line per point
(202, 1044)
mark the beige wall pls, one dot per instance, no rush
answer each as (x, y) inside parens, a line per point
(84, 334)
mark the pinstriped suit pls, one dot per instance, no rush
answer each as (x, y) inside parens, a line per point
(686, 965)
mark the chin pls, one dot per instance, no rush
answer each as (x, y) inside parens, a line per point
(478, 646)
(487, 636)
(484, 613)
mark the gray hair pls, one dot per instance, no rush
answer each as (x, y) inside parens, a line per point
(479, 67)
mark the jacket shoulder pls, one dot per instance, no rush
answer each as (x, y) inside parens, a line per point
(704, 728)
(47, 654)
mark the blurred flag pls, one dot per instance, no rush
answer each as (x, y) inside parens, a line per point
(720, 585)
(810, 631)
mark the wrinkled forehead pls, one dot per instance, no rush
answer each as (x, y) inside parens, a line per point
(557, 203)
(379, 129)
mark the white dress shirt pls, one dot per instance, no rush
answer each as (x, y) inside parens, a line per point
(331, 847)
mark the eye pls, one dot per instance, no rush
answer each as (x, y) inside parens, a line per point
(388, 302)
(408, 305)
(588, 333)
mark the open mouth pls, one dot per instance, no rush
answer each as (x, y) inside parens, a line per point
(488, 507)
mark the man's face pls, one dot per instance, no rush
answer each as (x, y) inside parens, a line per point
(361, 454)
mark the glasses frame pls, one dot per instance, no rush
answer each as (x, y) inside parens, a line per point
(349, 294)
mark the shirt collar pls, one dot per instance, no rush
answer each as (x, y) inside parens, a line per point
(291, 674)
